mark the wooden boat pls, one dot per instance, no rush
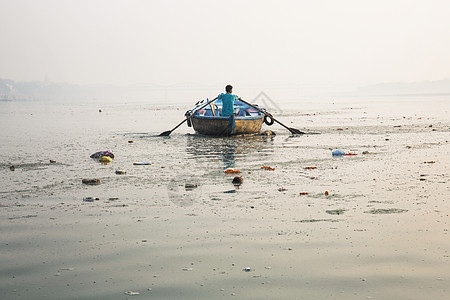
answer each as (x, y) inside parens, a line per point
(209, 120)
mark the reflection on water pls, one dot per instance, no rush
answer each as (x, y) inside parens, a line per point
(205, 153)
(227, 149)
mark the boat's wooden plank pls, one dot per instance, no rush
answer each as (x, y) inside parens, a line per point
(219, 126)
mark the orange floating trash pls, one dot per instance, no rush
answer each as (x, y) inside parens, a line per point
(232, 171)
(429, 162)
(303, 193)
(268, 168)
(310, 168)
(351, 154)
(326, 193)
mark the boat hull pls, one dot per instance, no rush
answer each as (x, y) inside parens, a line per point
(218, 126)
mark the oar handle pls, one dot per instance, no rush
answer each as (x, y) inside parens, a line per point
(167, 133)
(195, 111)
(203, 106)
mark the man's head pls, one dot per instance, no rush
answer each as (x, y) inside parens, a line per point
(228, 88)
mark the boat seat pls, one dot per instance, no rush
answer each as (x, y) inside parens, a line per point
(242, 113)
(201, 112)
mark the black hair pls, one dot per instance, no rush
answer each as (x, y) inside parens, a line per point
(228, 88)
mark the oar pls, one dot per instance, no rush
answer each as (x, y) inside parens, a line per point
(292, 130)
(168, 132)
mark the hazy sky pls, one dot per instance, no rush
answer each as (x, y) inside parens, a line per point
(241, 42)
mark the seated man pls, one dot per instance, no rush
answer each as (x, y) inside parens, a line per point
(228, 100)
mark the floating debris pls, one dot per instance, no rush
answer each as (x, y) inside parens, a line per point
(131, 293)
(232, 171)
(303, 193)
(247, 269)
(335, 211)
(120, 205)
(12, 167)
(52, 161)
(237, 180)
(100, 154)
(316, 220)
(327, 193)
(282, 189)
(187, 269)
(106, 160)
(142, 163)
(310, 168)
(338, 152)
(385, 211)
(268, 168)
(94, 181)
(121, 172)
(90, 199)
(190, 186)
(429, 162)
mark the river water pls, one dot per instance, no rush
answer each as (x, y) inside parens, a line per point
(368, 226)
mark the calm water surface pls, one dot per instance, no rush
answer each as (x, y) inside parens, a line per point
(369, 226)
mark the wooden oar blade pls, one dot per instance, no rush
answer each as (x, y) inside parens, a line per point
(165, 133)
(295, 131)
